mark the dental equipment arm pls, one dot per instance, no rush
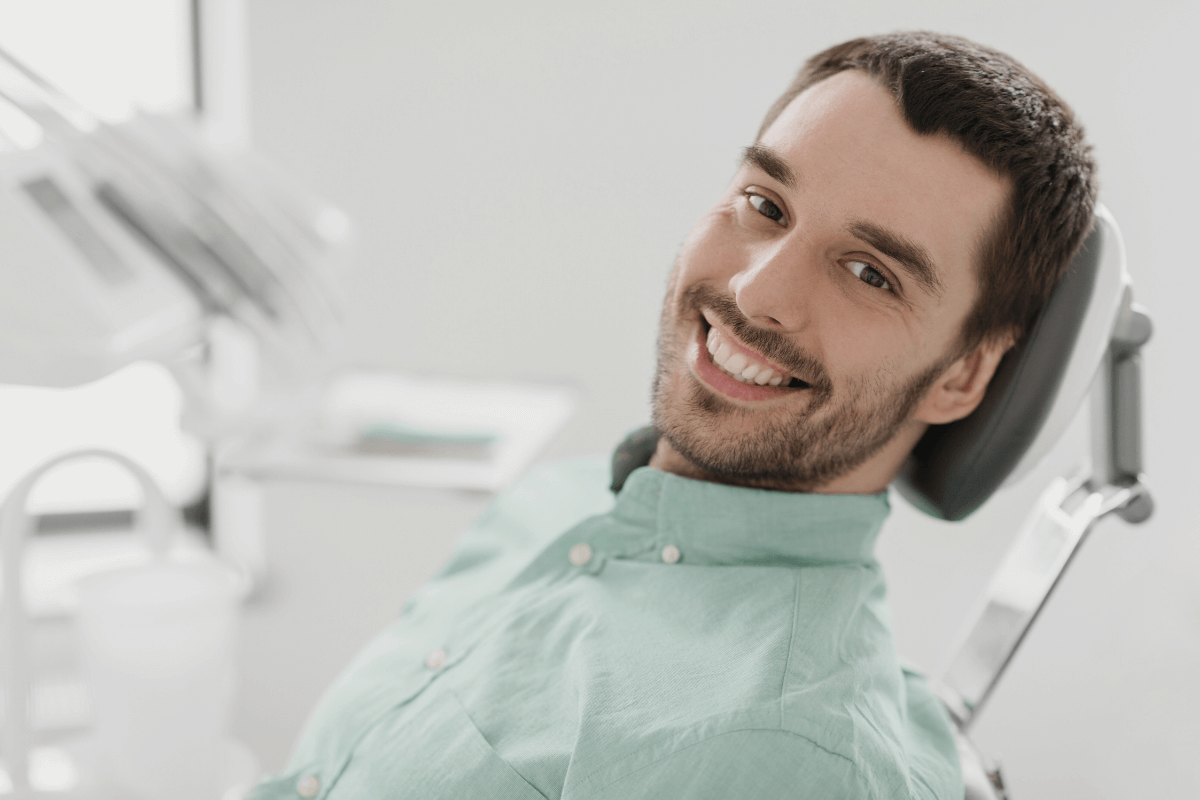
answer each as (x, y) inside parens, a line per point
(1053, 533)
(1062, 519)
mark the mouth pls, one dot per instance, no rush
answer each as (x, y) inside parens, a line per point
(733, 369)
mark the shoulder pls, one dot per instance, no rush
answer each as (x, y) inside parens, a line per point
(846, 688)
(730, 763)
(768, 763)
(887, 722)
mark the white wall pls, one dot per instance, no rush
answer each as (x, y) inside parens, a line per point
(523, 174)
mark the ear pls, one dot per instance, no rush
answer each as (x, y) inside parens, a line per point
(961, 386)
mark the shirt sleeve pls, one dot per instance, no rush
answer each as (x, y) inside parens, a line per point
(751, 763)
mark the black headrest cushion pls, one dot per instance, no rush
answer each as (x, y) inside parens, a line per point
(956, 467)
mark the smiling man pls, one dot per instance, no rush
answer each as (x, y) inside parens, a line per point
(813, 328)
(715, 626)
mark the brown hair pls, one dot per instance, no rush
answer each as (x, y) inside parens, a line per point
(1011, 121)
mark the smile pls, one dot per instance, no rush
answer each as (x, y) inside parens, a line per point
(734, 362)
(733, 369)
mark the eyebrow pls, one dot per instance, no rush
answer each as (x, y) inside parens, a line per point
(908, 254)
(770, 162)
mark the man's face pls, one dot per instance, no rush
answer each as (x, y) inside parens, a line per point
(833, 277)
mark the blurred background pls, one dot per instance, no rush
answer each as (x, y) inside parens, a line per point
(521, 176)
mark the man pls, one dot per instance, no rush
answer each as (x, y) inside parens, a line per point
(718, 628)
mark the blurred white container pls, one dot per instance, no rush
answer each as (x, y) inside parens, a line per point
(157, 642)
(158, 648)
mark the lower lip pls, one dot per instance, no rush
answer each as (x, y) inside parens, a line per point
(710, 374)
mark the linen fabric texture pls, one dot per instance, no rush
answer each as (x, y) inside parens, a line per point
(760, 663)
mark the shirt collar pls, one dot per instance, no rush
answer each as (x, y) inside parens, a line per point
(718, 524)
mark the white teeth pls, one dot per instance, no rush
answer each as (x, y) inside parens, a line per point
(738, 365)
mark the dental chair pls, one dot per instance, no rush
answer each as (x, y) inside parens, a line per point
(1086, 341)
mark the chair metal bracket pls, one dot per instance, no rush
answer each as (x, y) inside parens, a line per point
(1111, 483)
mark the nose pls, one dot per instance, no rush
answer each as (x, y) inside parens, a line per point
(772, 289)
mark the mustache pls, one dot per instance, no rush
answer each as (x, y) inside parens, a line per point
(771, 344)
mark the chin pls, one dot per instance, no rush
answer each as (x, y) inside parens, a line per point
(780, 446)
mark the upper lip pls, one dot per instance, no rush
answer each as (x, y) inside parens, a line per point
(750, 351)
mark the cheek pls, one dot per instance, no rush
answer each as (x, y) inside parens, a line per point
(709, 253)
(860, 344)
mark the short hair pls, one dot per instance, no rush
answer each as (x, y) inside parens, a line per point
(1005, 116)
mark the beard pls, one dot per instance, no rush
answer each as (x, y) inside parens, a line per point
(796, 449)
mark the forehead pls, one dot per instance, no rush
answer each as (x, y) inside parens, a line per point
(854, 158)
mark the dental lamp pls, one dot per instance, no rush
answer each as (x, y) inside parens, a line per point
(125, 240)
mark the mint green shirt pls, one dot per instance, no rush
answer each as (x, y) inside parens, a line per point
(687, 640)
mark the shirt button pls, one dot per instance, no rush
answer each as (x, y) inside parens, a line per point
(580, 554)
(670, 554)
(436, 658)
(308, 786)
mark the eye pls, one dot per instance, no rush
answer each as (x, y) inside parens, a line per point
(867, 273)
(765, 207)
